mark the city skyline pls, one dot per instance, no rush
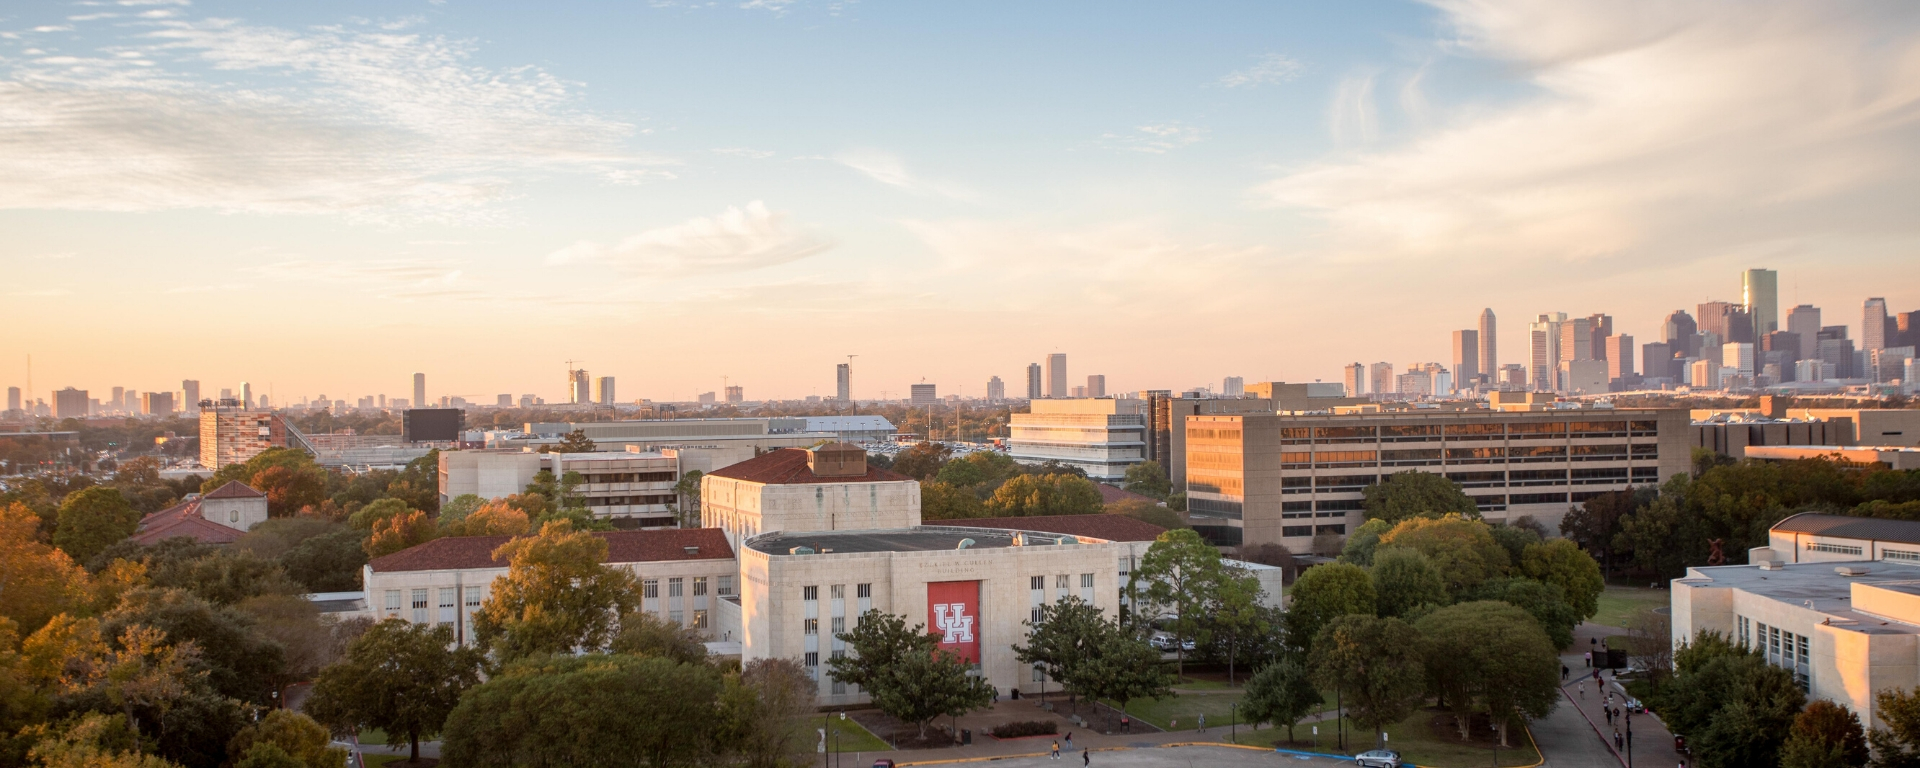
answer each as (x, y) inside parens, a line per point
(925, 177)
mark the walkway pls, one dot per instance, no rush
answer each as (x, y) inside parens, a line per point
(1577, 734)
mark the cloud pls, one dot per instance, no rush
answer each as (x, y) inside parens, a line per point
(1158, 139)
(735, 239)
(1651, 132)
(750, 154)
(385, 273)
(1269, 69)
(890, 170)
(229, 116)
(1354, 118)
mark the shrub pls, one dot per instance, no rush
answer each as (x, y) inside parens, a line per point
(1019, 728)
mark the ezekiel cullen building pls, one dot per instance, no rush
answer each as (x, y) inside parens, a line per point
(1283, 478)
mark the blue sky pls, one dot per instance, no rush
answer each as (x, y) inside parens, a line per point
(331, 196)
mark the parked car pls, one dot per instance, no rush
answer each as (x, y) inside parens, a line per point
(1162, 642)
(1378, 758)
(883, 763)
(1187, 644)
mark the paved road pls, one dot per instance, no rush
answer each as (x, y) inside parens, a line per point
(1159, 757)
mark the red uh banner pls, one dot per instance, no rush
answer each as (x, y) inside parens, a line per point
(953, 612)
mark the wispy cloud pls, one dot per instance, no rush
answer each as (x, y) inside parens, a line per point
(748, 153)
(889, 169)
(735, 239)
(1657, 130)
(353, 119)
(1157, 138)
(383, 273)
(1354, 118)
(1269, 69)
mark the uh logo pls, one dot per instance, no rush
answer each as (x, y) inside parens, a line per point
(952, 620)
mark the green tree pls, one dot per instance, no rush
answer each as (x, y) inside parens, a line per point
(979, 470)
(940, 501)
(1324, 593)
(1405, 580)
(1734, 707)
(297, 737)
(645, 634)
(1281, 693)
(1125, 668)
(267, 754)
(761, 702)
(1464, 550)
(1148, 478)
(1234, 618)
(458, 507)
(1493, 655)
(1067, 635)
(687, 489)
(1410, 494)
(1546, 603)
(291, 487)
(1374, 664)
(419, 484)
(1180, 572)
(399, 677)
(596, 709)
(1594, 523)
(377, 512)
(1663, 535)
(558, 596)
(1825, 735)
(1146, 512)
(1360, 546)
(90, 740)
(906, 673)
(1050, 494)
(93, 519)
(1561, 562)
(1514, 539)
(240, 663)
(1898, 744)
(922, 461)
(398, 533)
(327, 563)
(574, 442)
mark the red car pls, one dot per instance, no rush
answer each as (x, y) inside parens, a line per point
(883, 763)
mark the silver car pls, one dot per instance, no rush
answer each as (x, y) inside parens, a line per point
(1378, 758)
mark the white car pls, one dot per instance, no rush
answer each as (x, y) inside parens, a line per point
(1378, 758)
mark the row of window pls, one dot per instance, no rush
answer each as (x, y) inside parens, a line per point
(619, 501)
(630, 477)
(676, 586)
(1037, 591)
(1783, 649)
(1339, 529)
(1430, 431)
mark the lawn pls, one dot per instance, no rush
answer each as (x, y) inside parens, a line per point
(844, 735)
(1187, 708)
(373, 736)
(1619, 603)
(1417, 739)
(375, 761)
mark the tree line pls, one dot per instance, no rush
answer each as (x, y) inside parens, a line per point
(990, 484)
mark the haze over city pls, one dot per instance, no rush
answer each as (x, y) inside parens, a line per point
(329, 198)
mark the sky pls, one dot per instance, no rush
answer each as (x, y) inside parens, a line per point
(325, 198)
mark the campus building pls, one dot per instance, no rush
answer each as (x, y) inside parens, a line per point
(231, 433)
(828, 488)
(635, 486)
(217, 517)
(1101, 436)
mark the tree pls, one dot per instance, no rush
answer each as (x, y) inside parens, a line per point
(301, 740)
(1825, 735)
(1180, 571)
(596, 709)
(1281, 692)
(1410, 494)
(768, 695)
(1234, 619)
(1514, 539)
(1898, 744)
(294, 623)
(218, 575)
(940, 501)
(1125, 668)
(1325, 593)
(645, 634)
(979, 470)
(1463, 550)
(574, 442)
(290, 486)
(92, 740)
(1546, 603)
(1067, 635)
(1491, 654)
(37, 582)
(397, 533)
(558, 596)
(1404, 580)
(92, 519)
(688, 490)
(458, 507)
(1146, 512)
(1375, 665)
(1561, 562)
(399, 677)
(240, 664)
(380, 510)
(327, 563)
(922, 461)
(419, 484)
(1148, 478)
(1594, 523)
(906, 673)
(494, 518)
(1365, 539)
(1049, 494)
(1733, 706)
(1662, 535)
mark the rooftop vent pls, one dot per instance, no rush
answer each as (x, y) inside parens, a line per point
(1850, 570)
(800, 551)
(1772, 565)
(691, 550)
(965, 544)
(837, 460)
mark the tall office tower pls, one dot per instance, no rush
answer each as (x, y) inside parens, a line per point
(1356, 380)
(1231, 386)
(1513, 377)
(419, 390)
(1033, 381)
(1097, 385)
(736, 394)
(1382, 375)
(70, 403)
(1656, 360)
(499, 401)
(1466, 357)
(1727, 320)
(1056, 375)
(1804, 322)
(119, 398)
(157, 403)
(1544, 337)
(843, 382)
(603, 390)
(1619, 349)
(579, 388)
(1833, 347)
(1760, 292)
(527, 401)
(190, 395)
(1679, 330)
(13, 398)
(996, 390)
(1873, 325)
(133, 401)
(1489, 347)
(1576, 341)
(1738, 356)
(922, 394)
(246, 395)
(1907, 324)
(1601, 326)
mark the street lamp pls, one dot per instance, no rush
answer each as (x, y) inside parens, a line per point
(1233, 723)
(1629, 718)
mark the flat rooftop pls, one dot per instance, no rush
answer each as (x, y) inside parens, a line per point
(922, 539)
(1817, 587)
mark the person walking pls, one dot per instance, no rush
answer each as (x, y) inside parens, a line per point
(1563, 678)
(1086, 757)
(1589, 659)
(1056, 751)
(1203, 722)
(1069, 741)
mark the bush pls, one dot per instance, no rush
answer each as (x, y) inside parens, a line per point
(1019, 728)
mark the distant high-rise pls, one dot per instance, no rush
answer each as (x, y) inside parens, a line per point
(1489, 346)
(157, 403)
(119, 398)
(1656, 360)
(1033, 381)
(1466, 358)
(1600, 326)
(736, 394)
(1679, 330)
(1056, 375)
(1873, 325)
(996, 390)
(1804, 322)
(70, 403)
(579, 387)
(1544, 339)
(1231, 386)
(1097, 385)
(246, 394)
(1834, 348)
(1356, 380)
(1576, 340)
(1727, 320)
(13, 398)
(419, 390)
(923, 394)
(603, 390)
(499, 401)
(843, 382)
(1382, 374)
(1907, 324)
(1738, 356)
(1760, 292)
(1619, 349)
(190, 395)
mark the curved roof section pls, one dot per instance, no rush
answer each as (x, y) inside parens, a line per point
(1099, 526)
(1848, 526)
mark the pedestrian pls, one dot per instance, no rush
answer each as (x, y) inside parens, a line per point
(1069, 741)
(1583, 692)
(1609, 713)
(1589, 659)
(1126, 724)
(1616, 741)
(1563, 677)
(1056, 751)
(1086, 757)
(1203, 722)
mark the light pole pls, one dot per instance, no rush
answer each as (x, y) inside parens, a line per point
(1628, 716)
(1233, 723)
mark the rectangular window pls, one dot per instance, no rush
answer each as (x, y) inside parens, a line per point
(699, 586)
(473, 597)
(1086, 587)
(813, 658)
(1901, 555)
(448, 597)
(809, 593)
(726, 586)
(1060, 587)
(1744, 631)
(420, 606)
(1838, 549)
(1296, 530)
(1037, 582)
(699, 619)
(839, 625)
(863, 591)
(676, 587)
(393, 601)
(677, 617)
(810, 626)
(837, 592)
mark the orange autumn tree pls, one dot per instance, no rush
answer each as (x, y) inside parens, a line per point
(37, 581)
(494, 518)
(400, 532)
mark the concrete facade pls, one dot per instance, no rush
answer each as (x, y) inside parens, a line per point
(755, 497)
(1102, 436)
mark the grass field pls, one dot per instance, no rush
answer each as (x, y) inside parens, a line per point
(1619, 603)
(1187, 708)
(375, 761)
(373, 736)
(1414, 738)
(844, 735)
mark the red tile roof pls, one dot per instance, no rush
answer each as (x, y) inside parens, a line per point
(235, 489)
(1109, 527)
(788, 466)
(184, 519)
(1111, 493)
(622, 547)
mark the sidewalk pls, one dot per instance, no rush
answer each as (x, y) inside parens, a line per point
(1652, 742)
